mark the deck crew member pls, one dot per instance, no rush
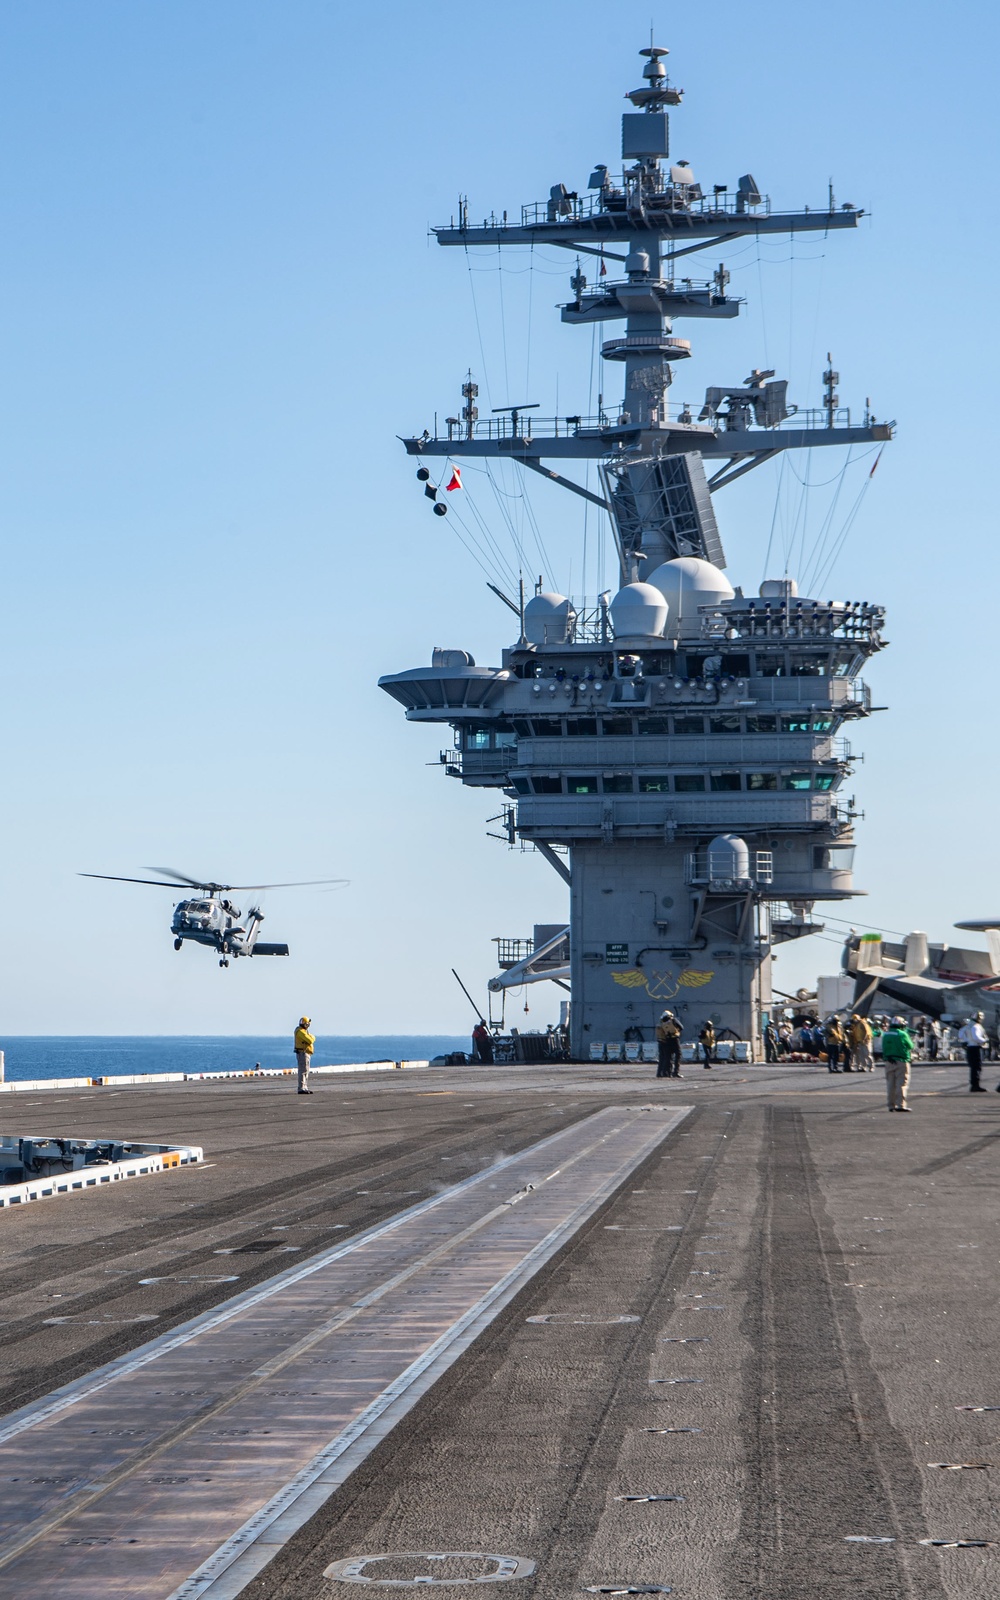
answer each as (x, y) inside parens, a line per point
(668, 1044)
(833, 1040)
(706, 1039)
(303, 1045)
(973, 1038)
(482, 1042)
(897, 1048)
(859, 1037)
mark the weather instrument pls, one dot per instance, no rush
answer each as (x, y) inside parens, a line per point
(210, 918)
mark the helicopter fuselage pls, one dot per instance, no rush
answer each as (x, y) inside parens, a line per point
(217, 923)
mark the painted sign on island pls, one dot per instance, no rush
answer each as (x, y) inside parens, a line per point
(616, 955)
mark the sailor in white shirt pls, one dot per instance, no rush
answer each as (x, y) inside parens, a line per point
(973, 1039)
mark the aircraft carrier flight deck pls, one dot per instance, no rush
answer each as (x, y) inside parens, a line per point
(569, 1327)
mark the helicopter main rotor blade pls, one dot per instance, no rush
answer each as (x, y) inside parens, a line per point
(193, 883)
(307, 883)
(110, 877)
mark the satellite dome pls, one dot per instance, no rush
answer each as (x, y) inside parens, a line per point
(547, 619)
(638, 611)
(687, 583)
(729, 858)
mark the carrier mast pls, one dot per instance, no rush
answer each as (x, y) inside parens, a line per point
(682, 743)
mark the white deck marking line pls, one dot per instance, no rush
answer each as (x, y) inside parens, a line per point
(422, 1337)
(236, 1563)
(95, 1490)
(82, 1388)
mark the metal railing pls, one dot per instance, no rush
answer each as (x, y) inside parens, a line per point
(715, 868)
(795, 619)
(528, 427)
(614, 202)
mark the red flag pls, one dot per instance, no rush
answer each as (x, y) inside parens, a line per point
(604, 271)
(871, 474)
(455, 481)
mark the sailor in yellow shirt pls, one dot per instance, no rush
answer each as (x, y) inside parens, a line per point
(303, 1046)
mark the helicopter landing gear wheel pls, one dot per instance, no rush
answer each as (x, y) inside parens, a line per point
(223, 962)
(178, 943)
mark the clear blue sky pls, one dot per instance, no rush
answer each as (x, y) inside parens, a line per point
(219, 306)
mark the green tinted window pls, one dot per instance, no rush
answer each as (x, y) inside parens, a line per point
(796, 780)
(822, 724)
(656, 784)
(824, 780)
(577, 785)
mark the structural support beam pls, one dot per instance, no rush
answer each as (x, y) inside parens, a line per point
(588, 250)
(706, 244)
(719, 479)
(554, 860)
(566, 483)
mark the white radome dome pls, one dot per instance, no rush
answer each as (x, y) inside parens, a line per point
(638, 611)
(687, 583)
(547, 619)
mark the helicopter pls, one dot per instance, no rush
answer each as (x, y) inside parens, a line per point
(212, 919)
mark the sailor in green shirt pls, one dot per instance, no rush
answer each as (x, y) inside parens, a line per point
(897, 1048)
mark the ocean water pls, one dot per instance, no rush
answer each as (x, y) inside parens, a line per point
(95, 1057)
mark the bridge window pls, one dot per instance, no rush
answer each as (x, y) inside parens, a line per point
(581, 727)
(504, 739)
(724, 724)
(725, 782)
(736, 666)
(762, 724)
(810, 666)
(617, 725)
(822, 724)
(617, 783)
(521, 785)
(546, 785)
(762, 780)
(824, 780)
(578, 785)
(770, 666)
(546, 727)
(657, 725)
(796, 780)
(657, 783)
(477, 738)
(689, 724)
(687, 783)
(797, 724)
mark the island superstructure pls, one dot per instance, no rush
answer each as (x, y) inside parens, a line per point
(676, 750)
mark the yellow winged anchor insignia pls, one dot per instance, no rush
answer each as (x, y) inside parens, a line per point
(658, 984)
(632, 979)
